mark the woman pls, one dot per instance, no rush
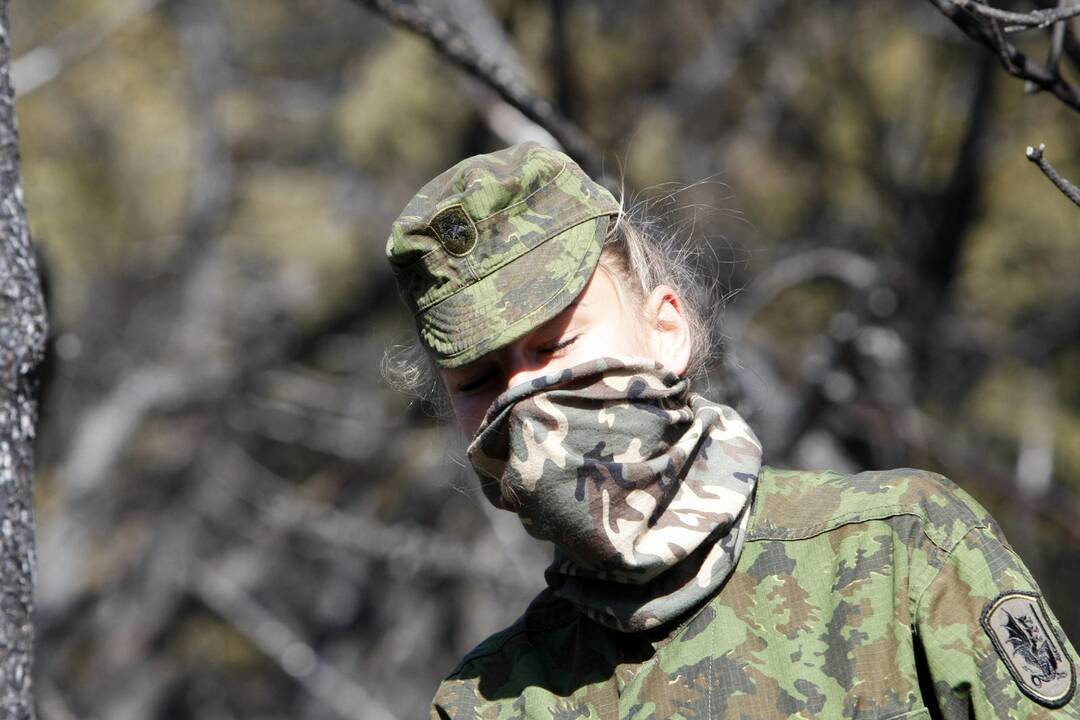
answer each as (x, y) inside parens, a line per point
(689, 581)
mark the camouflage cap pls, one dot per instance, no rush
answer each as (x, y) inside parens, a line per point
(496, 246)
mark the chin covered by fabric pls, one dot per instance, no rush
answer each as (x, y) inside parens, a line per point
(641, 484)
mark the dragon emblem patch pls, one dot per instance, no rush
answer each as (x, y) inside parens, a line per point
(1030, 647)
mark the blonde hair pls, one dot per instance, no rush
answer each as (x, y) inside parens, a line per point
(639, 256)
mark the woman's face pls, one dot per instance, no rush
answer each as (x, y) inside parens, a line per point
(600, 322)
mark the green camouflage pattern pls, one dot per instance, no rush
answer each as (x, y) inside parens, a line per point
(639, 482)
(854, 597)
(496, 246)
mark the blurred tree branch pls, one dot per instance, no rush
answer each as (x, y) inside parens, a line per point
(44, 63)
(451, 41)
(160, 384)
(475, 18)
(220, 591)
(413, 548)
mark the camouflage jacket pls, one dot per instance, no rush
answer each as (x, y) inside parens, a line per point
(879, 595)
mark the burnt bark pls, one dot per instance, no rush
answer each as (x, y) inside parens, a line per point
(22, 344)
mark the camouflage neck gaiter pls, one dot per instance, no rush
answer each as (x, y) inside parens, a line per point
(642, 485)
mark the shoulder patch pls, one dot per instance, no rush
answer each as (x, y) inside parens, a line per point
(455, 230)
(1031, 647)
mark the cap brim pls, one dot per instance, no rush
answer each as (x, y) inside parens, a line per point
(515, 299)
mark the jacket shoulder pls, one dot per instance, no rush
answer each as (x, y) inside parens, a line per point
(797, 504)
(536, 651)
(545, 614)
(460, 694)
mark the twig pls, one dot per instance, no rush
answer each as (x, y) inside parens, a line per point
(1022, 21)
(1016, 63)
(1002, 46)
(1057, 46)
(1070, 191)
(452, 42)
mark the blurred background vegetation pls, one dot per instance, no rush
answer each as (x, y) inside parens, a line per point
(238, 519)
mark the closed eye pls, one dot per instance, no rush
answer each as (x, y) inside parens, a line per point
(562, 345)
(475, 383)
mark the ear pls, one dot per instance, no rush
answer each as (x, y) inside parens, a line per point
(669, 331)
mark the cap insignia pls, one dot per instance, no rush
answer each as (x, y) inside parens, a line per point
(455, 230)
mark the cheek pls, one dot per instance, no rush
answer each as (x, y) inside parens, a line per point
(616, 338)
(629, 335)
(469, 411)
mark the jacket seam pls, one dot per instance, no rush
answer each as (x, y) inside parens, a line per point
(937, 573)
(854, 518)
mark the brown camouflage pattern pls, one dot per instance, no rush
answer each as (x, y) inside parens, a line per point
(639, 482)
(496, 246)
(854, 597)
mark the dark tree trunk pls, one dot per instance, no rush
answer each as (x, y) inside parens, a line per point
(22, 345)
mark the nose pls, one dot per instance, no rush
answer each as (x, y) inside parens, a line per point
(524, 375)
(520, 367)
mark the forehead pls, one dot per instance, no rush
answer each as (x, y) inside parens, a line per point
(600, 293)
(599, 300)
